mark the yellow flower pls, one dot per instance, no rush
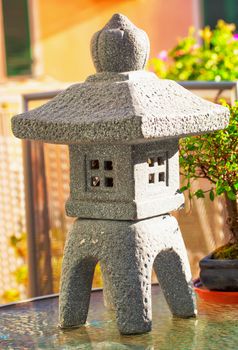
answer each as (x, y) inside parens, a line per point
(11, 295)
(206, 33)
(222, 24)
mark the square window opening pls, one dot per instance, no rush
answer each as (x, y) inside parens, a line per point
(108, 165)
(151, 178)
(108, 181)
(94, 164)
(161, 177)
(150, 162)
(95, 181)
(160, 161)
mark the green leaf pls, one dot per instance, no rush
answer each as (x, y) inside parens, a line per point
(199, 194)
(220, 191)
(184, 188)
(213, 156)
(211, 195)
(231, 195)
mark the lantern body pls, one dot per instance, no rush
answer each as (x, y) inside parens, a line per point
(124, 182)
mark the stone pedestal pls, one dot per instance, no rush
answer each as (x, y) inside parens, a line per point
(127, 251)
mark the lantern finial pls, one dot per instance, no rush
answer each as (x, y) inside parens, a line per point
(120, 46)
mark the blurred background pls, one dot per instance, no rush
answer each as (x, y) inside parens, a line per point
(45, 47)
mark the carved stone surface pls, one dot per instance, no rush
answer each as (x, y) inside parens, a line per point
(120, 107)
(144, 180)
(127, 252)
(120, 46)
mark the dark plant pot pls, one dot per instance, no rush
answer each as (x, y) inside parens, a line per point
(219, 274)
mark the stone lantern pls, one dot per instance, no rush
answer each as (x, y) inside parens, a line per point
(122, 126)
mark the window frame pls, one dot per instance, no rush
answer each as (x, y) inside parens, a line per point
(155, 169)
(105, 175)
(205, 14)
(35, 46)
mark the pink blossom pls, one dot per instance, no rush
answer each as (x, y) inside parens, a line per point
(163, 55)
(235, 36)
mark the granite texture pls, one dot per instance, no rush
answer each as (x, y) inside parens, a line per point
(127, 252)
(120, 46)
(131, 195)
(142, 108)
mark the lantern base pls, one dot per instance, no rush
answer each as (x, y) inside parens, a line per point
(127, 252)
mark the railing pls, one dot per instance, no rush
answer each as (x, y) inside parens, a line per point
(229, 87)
(37, 222)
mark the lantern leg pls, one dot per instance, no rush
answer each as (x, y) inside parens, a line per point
(107, 294)
(76, 284)
(166, 247)
(131, 292)
(175, 282)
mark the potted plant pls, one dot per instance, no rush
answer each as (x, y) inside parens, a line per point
(215, 157)
(214, 56)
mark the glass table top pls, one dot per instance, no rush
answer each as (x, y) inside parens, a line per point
(33, 325)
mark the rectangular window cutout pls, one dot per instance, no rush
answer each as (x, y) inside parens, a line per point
(108, 181)
(94, 164)
(16, 31)
(95, 181)
(151, 178)
(150, 162)
(213, 10)
(108, 165)
(160, 160)
(161, 177)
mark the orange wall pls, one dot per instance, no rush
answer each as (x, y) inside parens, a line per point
(66, 27)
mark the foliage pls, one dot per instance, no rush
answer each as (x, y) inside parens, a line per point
(11, 295)
(213, 156)
(229, 251)
(206, 55)
(18, 243)
(210, 55)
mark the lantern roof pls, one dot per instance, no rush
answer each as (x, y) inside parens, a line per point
(121, 103)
